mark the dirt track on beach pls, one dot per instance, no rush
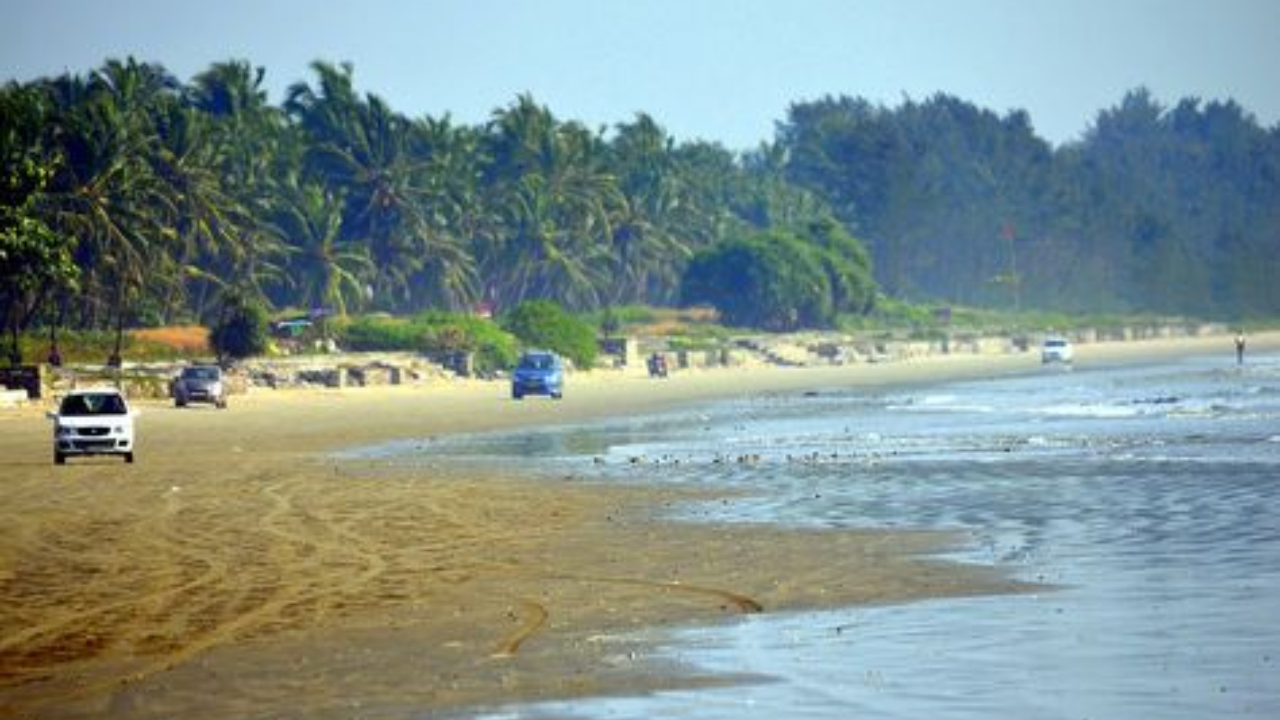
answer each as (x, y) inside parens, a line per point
(238, 571)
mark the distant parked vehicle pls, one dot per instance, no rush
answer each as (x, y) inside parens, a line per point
(538, 373)
(1056, 350)
(200, 384)
(96, 421)
(657, 364)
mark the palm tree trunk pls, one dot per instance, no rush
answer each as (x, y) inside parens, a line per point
(59, 314)
(15, 349)
(116, 360)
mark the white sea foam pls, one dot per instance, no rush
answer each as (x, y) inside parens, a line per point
(949, 403)
(1092, 410)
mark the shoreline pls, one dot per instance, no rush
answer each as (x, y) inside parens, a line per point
(238, 544)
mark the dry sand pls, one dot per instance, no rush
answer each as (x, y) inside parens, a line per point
(237, 570)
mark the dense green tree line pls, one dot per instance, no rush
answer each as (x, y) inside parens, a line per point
(132, 198)
(1170, 210)
(173, 196)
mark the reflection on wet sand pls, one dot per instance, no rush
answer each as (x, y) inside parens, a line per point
(132, 598)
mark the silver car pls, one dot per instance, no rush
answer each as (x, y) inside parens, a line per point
(200, 384)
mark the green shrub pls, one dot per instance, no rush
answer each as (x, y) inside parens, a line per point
(241, 331)
(772, 281)
(544, 324)
(494, 348)
(847, 264)
(435, 334)
(783, 280)
(380, 334)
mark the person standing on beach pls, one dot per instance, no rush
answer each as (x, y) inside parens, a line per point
(1240, 348)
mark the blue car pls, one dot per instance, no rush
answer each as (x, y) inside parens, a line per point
(538, 373)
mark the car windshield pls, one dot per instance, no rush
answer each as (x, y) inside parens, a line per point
(537, 362)
(1055, 343)
(200, 373)
(89, 404)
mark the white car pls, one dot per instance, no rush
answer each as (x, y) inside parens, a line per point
(1056, 349)
(93, 421)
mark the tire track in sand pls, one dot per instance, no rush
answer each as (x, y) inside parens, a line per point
(538, 615)
(199, 598)
(262, 601)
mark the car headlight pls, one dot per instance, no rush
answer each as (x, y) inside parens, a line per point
(62, 431)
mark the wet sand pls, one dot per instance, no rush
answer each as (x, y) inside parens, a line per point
(237, 570)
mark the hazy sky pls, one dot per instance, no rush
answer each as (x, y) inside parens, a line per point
(722, 70)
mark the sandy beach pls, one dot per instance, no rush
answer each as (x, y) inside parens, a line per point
(238, 569)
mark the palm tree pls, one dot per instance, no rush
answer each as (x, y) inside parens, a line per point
(648, 252)
(230, 89)
(244, 144)
(106, 193)
(539, 258)
(454, 215)
(136, 87)
(556, 205)
(328, 272)
(383, 165)
(205, 225)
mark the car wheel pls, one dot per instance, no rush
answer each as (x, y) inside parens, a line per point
(128, 457)
(557, 396)
(59, 459)
(222, 404)
(180, 403)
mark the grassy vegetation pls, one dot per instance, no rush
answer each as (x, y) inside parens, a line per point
(431, 333)
(917, 321)
(493, 347)
(699, 328)
(613, 319)
(87, 347)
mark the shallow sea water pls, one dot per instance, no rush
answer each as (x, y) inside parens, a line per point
(1148, 497)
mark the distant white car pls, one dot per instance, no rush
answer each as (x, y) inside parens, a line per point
(93, 421)
(1056, 349)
